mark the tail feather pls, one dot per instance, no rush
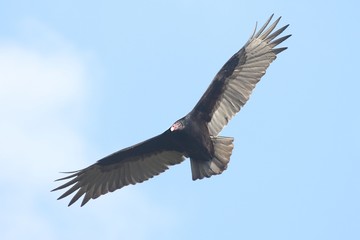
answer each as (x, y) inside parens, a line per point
(223, 147)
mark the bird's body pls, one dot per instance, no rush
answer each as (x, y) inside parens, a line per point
(194, 136)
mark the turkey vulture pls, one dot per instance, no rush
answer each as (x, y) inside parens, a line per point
(194, 136)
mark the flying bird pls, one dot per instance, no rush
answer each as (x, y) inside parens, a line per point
(194, 136)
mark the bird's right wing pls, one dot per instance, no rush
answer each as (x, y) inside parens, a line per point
(128, 166)
(233, 84)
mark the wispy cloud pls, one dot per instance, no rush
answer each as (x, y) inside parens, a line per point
(39, 91)
(35, 92)
(42, 91)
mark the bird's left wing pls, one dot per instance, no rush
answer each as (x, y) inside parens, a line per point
(128, 166)
(233, 84)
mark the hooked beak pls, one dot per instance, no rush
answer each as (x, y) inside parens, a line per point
(175, 126)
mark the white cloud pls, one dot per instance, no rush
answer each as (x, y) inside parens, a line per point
(30, 78)
(40, 90)
(34, 90)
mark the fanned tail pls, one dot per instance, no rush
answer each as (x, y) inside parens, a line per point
(223, 147)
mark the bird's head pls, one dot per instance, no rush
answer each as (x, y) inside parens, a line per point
(178, 125)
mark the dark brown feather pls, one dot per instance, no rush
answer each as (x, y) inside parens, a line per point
(233, 84)
(194, 136)
(131, 165)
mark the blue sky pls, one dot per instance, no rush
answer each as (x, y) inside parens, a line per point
(82, 80)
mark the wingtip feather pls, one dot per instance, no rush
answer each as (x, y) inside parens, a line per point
(263, 27)
(279, 40)
(279, 50)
